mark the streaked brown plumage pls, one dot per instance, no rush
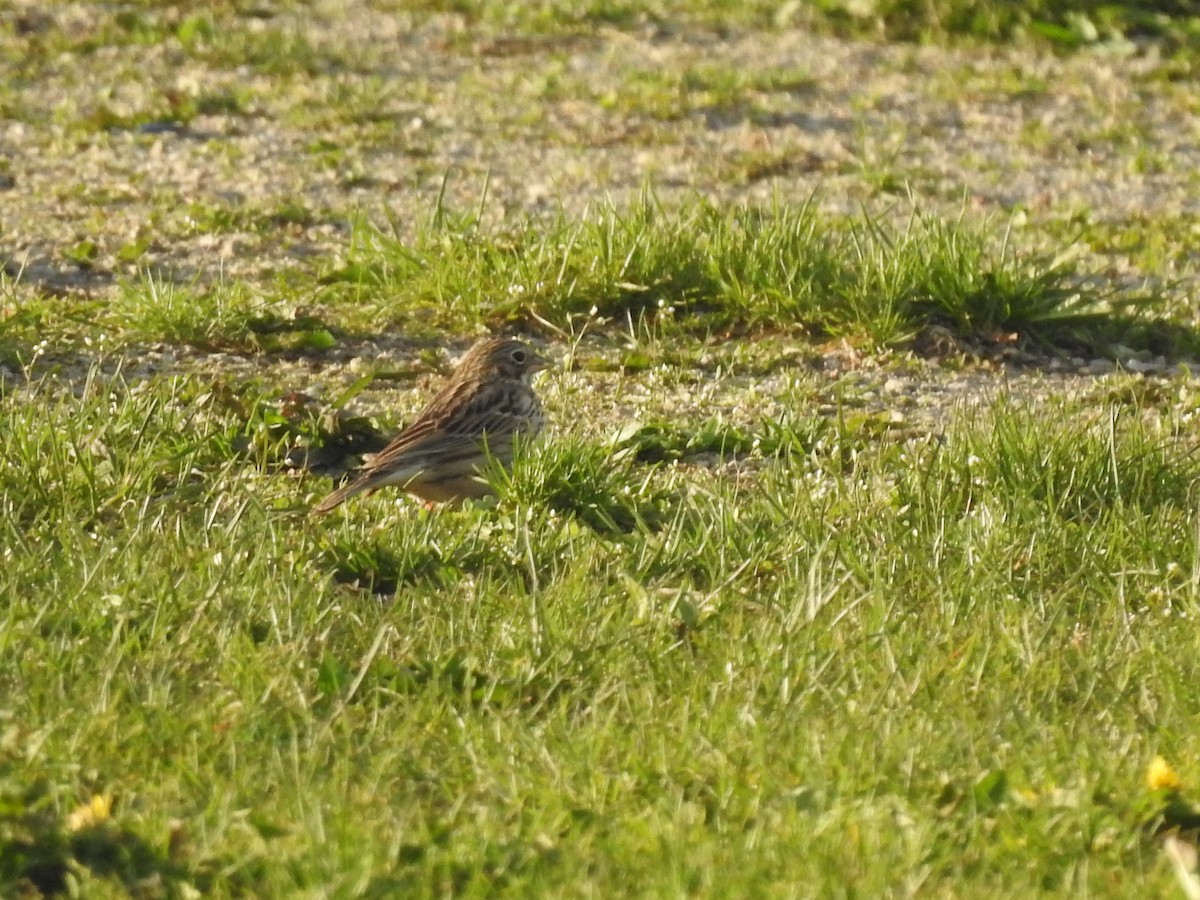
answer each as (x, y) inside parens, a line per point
(488, 399)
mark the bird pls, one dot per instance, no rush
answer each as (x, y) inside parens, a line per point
(488, 400)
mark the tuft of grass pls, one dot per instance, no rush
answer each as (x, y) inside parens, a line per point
(1064, 25)
(16, 333)
(596, 485)
(90, 471)
(677, 94)
(158, 309)
(1088, 469)
(708, 269)
(222, 317)
(220, 35)
(657, 442)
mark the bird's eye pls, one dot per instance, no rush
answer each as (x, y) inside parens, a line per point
(519, 357)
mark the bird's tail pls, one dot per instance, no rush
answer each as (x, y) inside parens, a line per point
(341, 495)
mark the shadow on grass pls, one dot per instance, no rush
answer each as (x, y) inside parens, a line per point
(455, 676)
(1115, 337)
(385, 567)
(43, 855)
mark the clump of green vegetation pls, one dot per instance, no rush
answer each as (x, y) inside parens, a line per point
(592, 484)
(16, 331)
(670, 95)
(228, 35)
(710, 269)
(220, 317)
(1085, 471)
(1065, 24)
(1068, 25)
(695, 268)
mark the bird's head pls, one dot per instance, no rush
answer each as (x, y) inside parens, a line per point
(501, 358)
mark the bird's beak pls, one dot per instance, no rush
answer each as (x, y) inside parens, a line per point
(536, 363)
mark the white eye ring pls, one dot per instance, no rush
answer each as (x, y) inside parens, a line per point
(518, 357)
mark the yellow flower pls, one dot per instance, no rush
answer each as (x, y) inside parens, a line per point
(1160, 776)
(95, 812)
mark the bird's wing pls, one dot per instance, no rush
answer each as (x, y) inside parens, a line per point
(443, 432)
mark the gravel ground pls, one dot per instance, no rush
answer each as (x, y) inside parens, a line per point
(352, 110)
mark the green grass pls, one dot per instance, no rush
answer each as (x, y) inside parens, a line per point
(843, 666)
(673, 95)
(1067, 25)
(223, 317)
(708, 268)
(227, 35)
(223, 35)
(743, 624)
(685, 270)
(15, 331)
